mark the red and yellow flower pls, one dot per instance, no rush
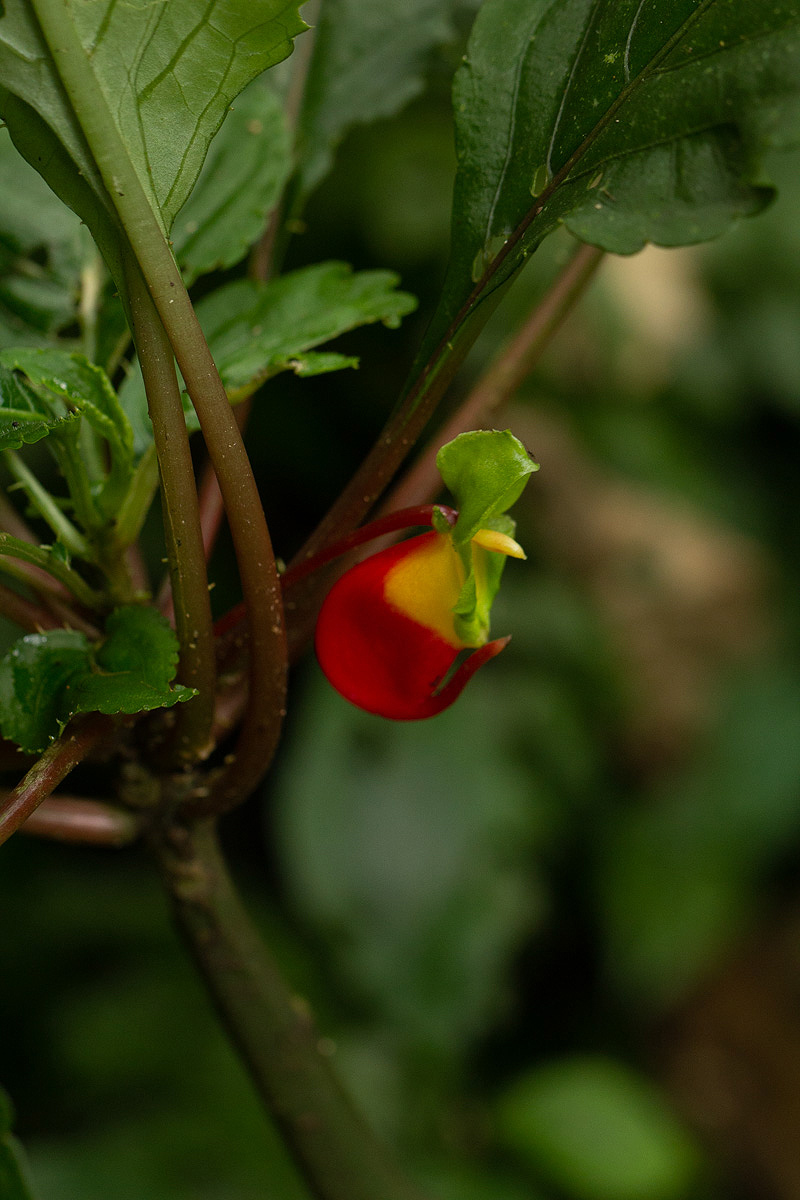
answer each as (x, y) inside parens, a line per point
(395, 631)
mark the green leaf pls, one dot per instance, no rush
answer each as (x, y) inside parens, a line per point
(81, 385)
(485, 471)
(165, 71)
(34, 677)
(368, 61)
(13, 1184)
(599, 1132)
(256, 330)
(631, 121)
(23, 417)
(70, 380)
(38, 294)
(134, 667)
(46, 678)
(247, 165)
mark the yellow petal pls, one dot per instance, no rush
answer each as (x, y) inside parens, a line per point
(490, 539)
(425, 583)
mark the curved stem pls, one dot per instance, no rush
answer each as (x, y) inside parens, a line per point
(255, 558)
(271, 1027)
(48, 771)
(181, 521)
(37, 556)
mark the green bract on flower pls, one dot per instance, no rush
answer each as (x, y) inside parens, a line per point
(402, 632)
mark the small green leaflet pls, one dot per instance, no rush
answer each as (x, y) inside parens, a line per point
(46, 678)
(257, 330)
(13, 1182)
(23, 417)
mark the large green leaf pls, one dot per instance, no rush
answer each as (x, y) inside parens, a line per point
(46, 678)
(13, 1184)
(166, 72)
(368, 61)
(247, 165)
(631, 120)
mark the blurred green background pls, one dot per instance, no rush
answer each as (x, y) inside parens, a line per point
(553, 935)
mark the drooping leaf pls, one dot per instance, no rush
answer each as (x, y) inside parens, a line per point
(257, 330)
(247, 165)
(368, 62)
(165, 74)
(46, 678)
(630, 120)
(23, 417)
(13, 1182)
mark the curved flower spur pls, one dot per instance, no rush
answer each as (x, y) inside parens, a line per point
(401, 633)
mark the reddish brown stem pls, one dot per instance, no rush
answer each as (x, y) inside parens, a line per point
(75, 819)
(47, 772)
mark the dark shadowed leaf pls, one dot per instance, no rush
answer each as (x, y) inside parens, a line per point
(632, 121)
(368, 61)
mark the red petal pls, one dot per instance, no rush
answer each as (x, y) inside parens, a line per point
(381, 660)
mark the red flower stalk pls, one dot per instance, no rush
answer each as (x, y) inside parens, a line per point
(387, 636)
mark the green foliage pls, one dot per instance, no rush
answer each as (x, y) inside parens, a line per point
(628, 124)
(256, 330)
(599, 1132)
(46, 678)
(248, 163)
(367, 63)
(24, 418)
(190, 64)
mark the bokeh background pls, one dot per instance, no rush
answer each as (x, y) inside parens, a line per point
(553, 935)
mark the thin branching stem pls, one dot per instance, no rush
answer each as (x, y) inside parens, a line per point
(187, 562)
(75, 743)
(80, 821)
(503, 377)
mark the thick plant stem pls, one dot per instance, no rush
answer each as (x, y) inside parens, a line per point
(271, 1027)
(181, 522)
(48, 771)
(263, 719)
